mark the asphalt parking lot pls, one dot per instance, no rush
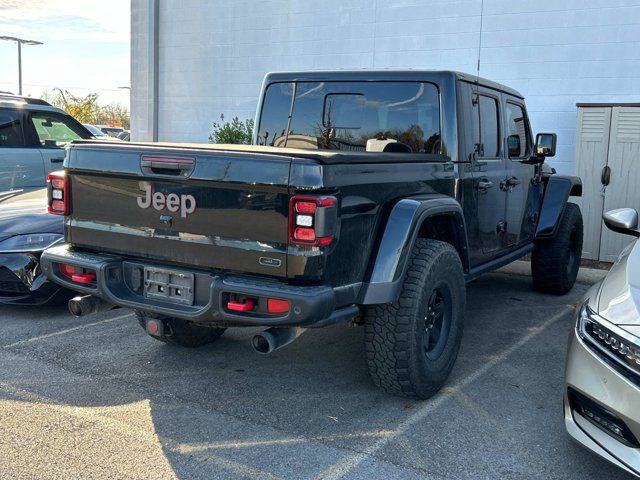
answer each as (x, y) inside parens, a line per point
(97, 398)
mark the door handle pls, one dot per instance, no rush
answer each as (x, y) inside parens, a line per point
(512, 182)
(484, 185)
(57, 160)
(509, 183)
(605, 176)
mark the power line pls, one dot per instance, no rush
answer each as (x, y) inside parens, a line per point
(68, 87)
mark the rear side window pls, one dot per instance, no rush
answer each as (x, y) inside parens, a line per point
(402, 117)
(55, 130)
(11, 129)
(516, 122)
(489, 131)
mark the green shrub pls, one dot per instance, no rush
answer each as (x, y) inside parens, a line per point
(234, 131)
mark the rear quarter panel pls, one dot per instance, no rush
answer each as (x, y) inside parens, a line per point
(366, 194)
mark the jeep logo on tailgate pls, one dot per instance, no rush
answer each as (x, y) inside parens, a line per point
(172, 202)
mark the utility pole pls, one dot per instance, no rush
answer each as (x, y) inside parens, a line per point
(20, 42)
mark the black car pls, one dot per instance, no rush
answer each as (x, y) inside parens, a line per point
(26, 229)
(393, 189)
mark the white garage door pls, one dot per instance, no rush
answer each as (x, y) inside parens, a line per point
(607, 137)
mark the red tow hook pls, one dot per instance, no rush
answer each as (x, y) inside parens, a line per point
(241, 307)
(84, 278)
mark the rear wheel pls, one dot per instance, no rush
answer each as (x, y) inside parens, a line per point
(176, 331)
(412, 344)
(555, 262)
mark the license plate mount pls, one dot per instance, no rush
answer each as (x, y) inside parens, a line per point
(168, 285)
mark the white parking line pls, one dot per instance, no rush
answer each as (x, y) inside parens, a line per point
(348, 463)
(62, 332)
(188, 448)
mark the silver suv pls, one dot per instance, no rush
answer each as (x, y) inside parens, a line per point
(33, 134)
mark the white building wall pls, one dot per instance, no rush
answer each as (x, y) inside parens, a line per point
(213, 54)
(141, 70)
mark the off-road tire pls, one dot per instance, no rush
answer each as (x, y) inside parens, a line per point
(555, 262)
(181, 332)
(396, 334)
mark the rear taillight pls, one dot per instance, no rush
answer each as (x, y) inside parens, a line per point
(312, 220)
(58, 193)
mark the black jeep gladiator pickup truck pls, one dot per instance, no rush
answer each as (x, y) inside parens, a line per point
(368, 196)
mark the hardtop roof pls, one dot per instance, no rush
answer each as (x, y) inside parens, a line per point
(9, 100)
(373, 75)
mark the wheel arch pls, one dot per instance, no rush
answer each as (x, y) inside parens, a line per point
(433, 216)
(557, 191)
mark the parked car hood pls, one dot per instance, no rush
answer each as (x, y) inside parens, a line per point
(619, 297)
(25, 211)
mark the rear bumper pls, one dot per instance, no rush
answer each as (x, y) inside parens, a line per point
(311, 306)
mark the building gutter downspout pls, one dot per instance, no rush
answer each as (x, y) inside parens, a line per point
(154, 35)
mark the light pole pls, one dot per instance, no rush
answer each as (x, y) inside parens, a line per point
(20, 41)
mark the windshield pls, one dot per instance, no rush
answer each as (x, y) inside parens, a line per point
(358, 116)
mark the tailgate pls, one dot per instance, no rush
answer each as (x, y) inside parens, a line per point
(210, 209)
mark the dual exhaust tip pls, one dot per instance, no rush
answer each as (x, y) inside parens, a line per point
(87, 304)
(274, 338)
(264, 342)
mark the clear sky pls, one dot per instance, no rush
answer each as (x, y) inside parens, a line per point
(86, 47)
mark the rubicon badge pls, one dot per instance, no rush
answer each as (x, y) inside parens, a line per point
(269, 262)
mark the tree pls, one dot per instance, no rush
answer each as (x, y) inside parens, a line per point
(87, 110)
(235, 132)
(83, 109)
(113, 113)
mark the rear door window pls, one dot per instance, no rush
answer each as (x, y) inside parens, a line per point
(489, 127)
(55, 130)
(402, 117)
(516, 125)
(11, 135)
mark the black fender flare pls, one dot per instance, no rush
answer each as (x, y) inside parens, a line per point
(401, 230)
(557, 191)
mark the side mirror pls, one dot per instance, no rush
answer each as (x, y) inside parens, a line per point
(622, 220)
(546, 144)
(513, 145)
